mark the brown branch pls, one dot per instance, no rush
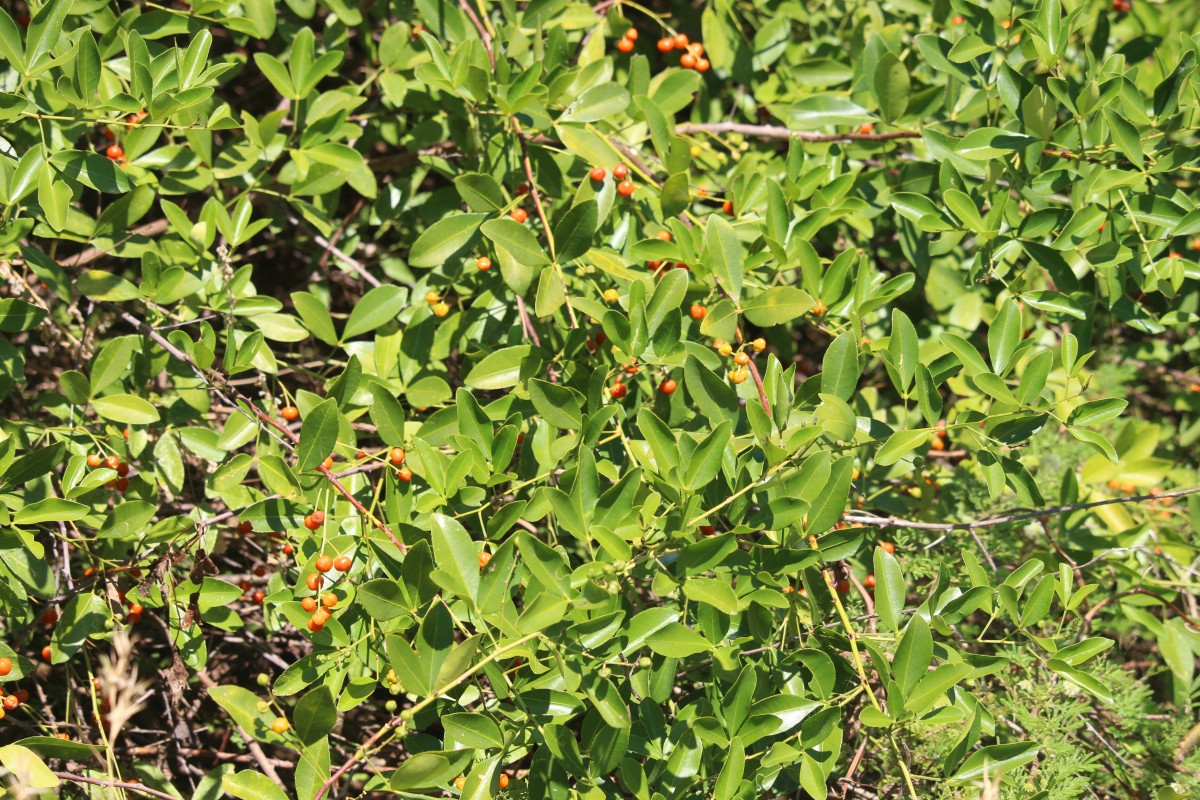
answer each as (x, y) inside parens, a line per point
(133, 787)
(526, 322)
(990, 522)
(483, 34)
(781, 132)
(149, 230)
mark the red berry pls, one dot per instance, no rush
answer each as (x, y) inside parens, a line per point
(45, 657)
(598, 174)
(245, 527)
(620, 172)
(666, 44)
(618, 390)
(483, 263)
(708, 530)
(869, 581)
(112, 462)
(519, 215)
(115, 152)
(404, 474)
(396, 456)
(343, 563)
(727, 207)
(259, 596)
(625, 46)
(289, 413)
(625, 188)
(323, 563)
(698, 311)
(843, 586)
(668, 386)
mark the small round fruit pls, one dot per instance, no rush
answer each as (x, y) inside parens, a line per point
(112, 462)
(245, 527)
(315, 625)
(50, 617)
(696, 49)
(727, 207)
(645, 662)
(404, 474)
(121, 484)
(327, 463)
(290, 413)
(287, 549)
(483, 263)
(46, 652)
(618, 390)
(519, 215)
(94, 460)
(631, 34)
(888, 546)
(668, 386)
(681, 40)
(620, 172)
(866, 128)
(324, 563)
(869, 581)
(611, 296)
(460, 782)
(12, 701)
(687, 61)
(703, 64)
(5, 666)
(114, 152)
(663, 235)
(258, 597)
(842, 586)
(432, 297)
(759, 344)
(308, 604)
(343, 563)
(625, 188)
(726, 349)
(708, 530)
(503, 781)
(417, 30)
(739, 375)
(280, 725)
(123, 469)
(329, 600)
(598, 174)
(484, 558)
(311, 523)
(741, 359)
(396, 456)
(666, 44)
(313, 582)
(318, 516)
(625, 46)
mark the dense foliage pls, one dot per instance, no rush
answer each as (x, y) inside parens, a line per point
(773, 399)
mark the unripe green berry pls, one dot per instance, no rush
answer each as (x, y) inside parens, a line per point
(264, 680)
(390, 706)
(406, 715)
(645, 663)
(605, 672)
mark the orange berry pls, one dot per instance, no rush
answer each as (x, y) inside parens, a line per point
(788, 590)
(519, 215)
(460, 782)
(958, 19)
(869, 581)
(687, 61)
(666, 44)
(625, 188)
(598, 174)
(396, 456)
(289, 413)
(663, 235)
(5, 666)
(315, 625)
(703, 65)
(698, 311)
(404, 474)
(668, 386)
(618, 390)
(417, 30)
(311, 523)
(681, 40)
(327, 463)
(287, 549)
(727, 207)
(503, 781)
(257, 597)
(739, 375)
(280, 725)
(112, 462)
(631, 34)
(323, 563)
(759, 344)
(12, 701)
(741, 359)
(94, 460)
(483, 263)
(343, 563)
(322, 615)
(866, 127)
(484, 558)
(46, 652)
(625, 46)
(888, 546)
(313, 582)
(329, 600)
(114, 152)
(318, 516)
(696, 49)
(308, 604)
(620, 172)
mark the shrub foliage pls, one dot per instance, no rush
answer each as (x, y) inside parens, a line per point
(613, 400)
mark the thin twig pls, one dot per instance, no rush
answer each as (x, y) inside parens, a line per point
(781, 132)
(526, 322)
(133, 787)
(991, 522)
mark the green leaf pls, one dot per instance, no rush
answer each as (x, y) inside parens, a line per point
(713, 591)
(17, 316)
(375, 308)
(45, 29)
(251, 785)
(92, 170)
(935, 684)
(723, 255)
(456, 556)
(675, 640)
(825, 110)
(1004, 334)
(472, 730)
(315, 715)
(777, 306)
(84, 615)
(1096, 412)
(899, 445)
(517, 240)
(51, 509)
(892, 86)
(448, 238)
(839, 367)
(889, 589)
(384, 599)
(318, 435)
(574, 232)
(560, 406)
(983, 144)
(501, 369)
(995, 759)
(602, 102)
(126, 408)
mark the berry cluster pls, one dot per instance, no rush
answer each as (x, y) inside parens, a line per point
(693, 52)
